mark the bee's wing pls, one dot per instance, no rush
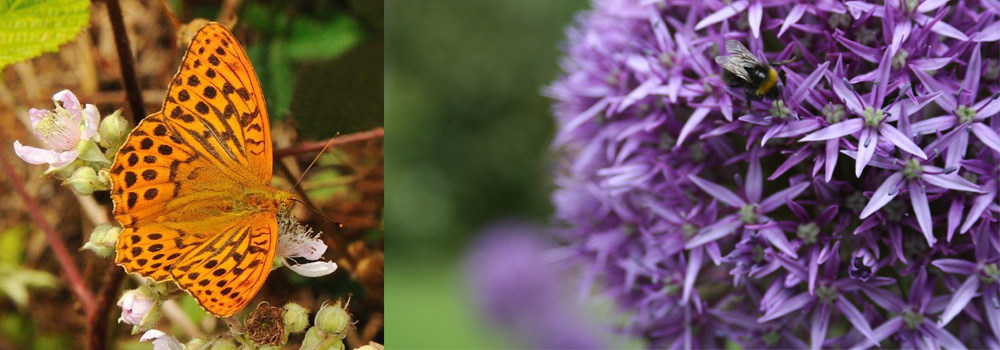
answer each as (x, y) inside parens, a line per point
(740, 55)
(736, 68)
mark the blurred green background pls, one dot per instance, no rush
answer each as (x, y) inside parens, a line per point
(469, 145)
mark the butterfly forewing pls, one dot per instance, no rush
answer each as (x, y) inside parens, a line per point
(215, 104)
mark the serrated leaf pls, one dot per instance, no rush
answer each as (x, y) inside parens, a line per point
(29, 28)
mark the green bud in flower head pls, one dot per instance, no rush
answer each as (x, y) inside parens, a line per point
(103, 240)
(333, 319)
(317, 340)
(296, 318)
(113, 130)
(83, 181)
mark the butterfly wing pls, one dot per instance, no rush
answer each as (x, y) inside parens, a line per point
(225, 273)
(216, 104)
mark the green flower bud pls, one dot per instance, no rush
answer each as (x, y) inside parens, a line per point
(223, 344)
(333, 319)
(113, 130)
(83, 181)
(195, 344)
(103, 240)
(371, 346)
(313, 339)
(296, 318)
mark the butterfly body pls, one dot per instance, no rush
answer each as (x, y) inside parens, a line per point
(192, 183)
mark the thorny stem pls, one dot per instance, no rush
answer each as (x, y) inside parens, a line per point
(58, 247)
(98, 320)
(126, 62)
(339, 140)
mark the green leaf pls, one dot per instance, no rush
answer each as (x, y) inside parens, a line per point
(29, 28)
(312, 39)
(341, 96)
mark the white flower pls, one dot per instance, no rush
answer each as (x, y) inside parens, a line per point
(298, 241)
(135, 305)
(161, 341)
(61, 130)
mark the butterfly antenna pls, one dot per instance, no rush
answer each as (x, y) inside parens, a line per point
(335, 222)
(303, 175)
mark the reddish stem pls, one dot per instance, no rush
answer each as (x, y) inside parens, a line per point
(58, 247)
(98, 320)
(314, 146)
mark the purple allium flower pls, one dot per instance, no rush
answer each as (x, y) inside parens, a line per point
(515, 281)
(662, 193)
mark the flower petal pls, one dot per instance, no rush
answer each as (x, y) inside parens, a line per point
(941, 123)
(313, 269)
(940, 27)
(900, 140)
(722, 14)
(755, 179)
(855, 317)
(714, 190)
(959, 299)
(883, 331)
(693, 265)
(867, 143)
(788, 305)
(882, 196)
(693, 121)
(776, 200)
(836, 130)
(797, 157)
(754, 15)
(941, 336)
(793, 16)
(161, 341)
(979, 206)
(36, 116)
(955, 266)
(33, 155)
(950, 181)
(69, 102)
(91, 120)
(922, 210)
(778, 240)
(926, 64)
(986, 134)
(831, 157)
(820, 323)
(718, 230)
(810, 81)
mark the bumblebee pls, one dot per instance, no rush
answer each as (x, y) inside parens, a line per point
(742, 69)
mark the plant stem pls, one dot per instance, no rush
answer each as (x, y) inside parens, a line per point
(314, 146)
(98, 320)
(125, 61)
(58, 247)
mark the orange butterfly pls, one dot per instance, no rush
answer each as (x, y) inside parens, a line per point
(191, 185)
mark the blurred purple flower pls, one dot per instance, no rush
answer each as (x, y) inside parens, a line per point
(513, 280)
(660, 190)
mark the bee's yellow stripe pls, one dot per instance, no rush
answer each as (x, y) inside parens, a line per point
(769, 83)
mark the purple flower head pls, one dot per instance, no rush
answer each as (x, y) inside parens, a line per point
(681, 202)
(515, 281)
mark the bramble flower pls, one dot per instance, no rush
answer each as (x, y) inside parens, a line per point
(135, 305)
(299, 241)
(67, 131)
(660, 185)
(161, 341)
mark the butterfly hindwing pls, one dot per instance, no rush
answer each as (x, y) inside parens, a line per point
(215, 104)
(224, 273)
(151, 250)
